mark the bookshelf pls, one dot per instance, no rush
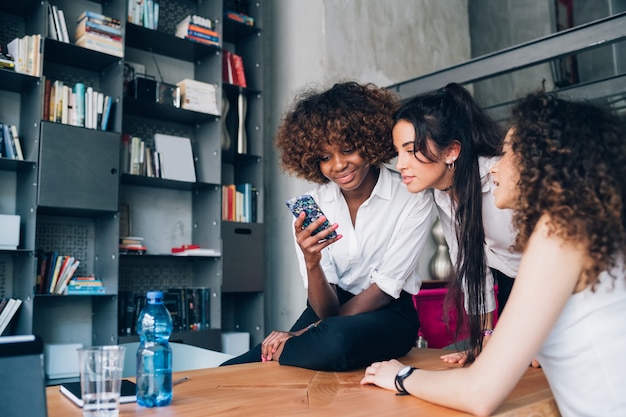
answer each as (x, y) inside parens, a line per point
(244, 281)
(70, 186)
(165, 212)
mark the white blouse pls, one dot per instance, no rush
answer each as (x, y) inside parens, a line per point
(499, 232)
(384, 245)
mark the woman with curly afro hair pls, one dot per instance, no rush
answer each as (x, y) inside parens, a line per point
(359, 283)
(562, 172)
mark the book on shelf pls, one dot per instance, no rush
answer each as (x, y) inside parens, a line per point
(53, 32)
(176, 157)
(132, 251)
(199, 29)
(10, 147)
(99, 18)
(7, 62)
(100, 43)
(239, 17)
(19, 153)
(196, 20)
(26, 53)
(77, 105)
(193, 250)
(54, 272)
(190, 308)
(107, 114)
(201, 37)
(67, 275)
(9, 311)
(144, 13)
(72, 390)
(131, 240)
(232, 69)
(139, 158)
(239, 203)
(198, 96)
(57, 24)
(63, 25)
(90, 25)
(85, 286)
(100, 33)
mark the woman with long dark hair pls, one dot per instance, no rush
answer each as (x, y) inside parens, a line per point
(446, 142)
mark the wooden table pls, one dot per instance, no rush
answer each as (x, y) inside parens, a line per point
(268, 389)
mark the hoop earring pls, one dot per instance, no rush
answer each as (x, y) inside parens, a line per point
(451, 166)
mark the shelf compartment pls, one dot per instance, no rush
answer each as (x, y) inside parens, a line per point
(77, 56)
(143, 181)
(165, 44)
(16, 82)
(235, 32)
(143, 108)
(15, 165)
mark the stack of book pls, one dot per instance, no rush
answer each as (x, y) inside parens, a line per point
(232, 69)
(143, 13)
(100, 33)
(198, 96)
(55, 272)
(77, 105)
(132, 245)
(240, 17)
(58, 27)
(10, 144)
(26, 54)
(8, 308)
(190, 309)
(198, 29)
(239, 203)
(85, 286)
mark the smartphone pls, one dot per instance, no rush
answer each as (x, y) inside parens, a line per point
(313, 212)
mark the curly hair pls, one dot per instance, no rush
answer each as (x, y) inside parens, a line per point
(349, 115)
(572, 164)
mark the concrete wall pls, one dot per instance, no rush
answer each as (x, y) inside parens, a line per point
(324, 41)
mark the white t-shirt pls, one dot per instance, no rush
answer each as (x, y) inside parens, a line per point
(583, 355)
(498, 226)
(384, 246)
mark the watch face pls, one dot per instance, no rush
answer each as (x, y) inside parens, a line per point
(404, 371)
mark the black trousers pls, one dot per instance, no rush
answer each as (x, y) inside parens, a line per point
(343, 343)
(505, 284)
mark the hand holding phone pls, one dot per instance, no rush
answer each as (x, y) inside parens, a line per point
(306, 203)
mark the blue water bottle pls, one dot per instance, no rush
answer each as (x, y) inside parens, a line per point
(154, 354)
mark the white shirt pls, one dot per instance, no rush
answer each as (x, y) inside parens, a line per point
(498, 226)
(384, 245)
(583, 355)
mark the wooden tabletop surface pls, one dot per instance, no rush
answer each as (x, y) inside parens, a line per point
(268, 389)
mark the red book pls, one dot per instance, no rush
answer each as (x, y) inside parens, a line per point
(239, 76)
(46, 99)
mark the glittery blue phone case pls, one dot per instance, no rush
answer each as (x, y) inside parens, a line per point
(307, 204)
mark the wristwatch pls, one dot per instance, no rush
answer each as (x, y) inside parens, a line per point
(402, 375)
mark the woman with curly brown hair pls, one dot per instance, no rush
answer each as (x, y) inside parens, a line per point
(359, 284)
(562, 172)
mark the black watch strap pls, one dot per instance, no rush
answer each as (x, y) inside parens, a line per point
(402, 375)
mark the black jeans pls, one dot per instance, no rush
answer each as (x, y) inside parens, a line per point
(343, 343)
(505, 284)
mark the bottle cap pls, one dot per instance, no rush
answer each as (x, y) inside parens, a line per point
(153, 296)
